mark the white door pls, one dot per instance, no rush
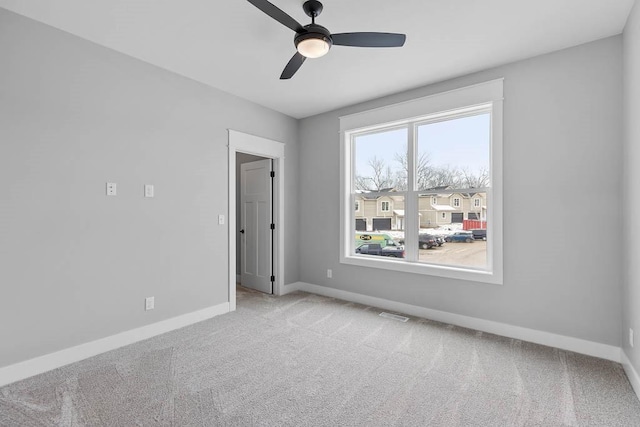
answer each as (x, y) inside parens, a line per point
(255, 224)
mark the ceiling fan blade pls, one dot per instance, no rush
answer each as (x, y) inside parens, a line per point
(277, 14)
(369, 39)
(293, 66)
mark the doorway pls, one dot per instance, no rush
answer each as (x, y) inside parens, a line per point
(240, 142)
(254, 216)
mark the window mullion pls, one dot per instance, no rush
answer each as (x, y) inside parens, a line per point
(412, 223)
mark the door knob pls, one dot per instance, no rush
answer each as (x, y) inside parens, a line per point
(242, 231)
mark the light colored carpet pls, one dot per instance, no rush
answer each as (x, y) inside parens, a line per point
(306, 360)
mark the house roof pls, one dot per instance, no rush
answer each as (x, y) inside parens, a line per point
(443, 208)
(400, 212)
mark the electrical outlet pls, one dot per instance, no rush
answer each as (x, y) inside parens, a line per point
(111, 188)
(631, 337)
(148, 190)
(220, 219)
(149, 303)
(329, 273)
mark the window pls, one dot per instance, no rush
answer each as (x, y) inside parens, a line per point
(410, 153)
(357, 207)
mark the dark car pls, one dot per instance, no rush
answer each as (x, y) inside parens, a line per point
(427, 241)
(479, 233)
(376, 249)
(461, 236)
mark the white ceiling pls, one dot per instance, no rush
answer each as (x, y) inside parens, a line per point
(233, 46)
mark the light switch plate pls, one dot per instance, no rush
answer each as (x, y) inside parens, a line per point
(149, 303)
(220, 219)
(148, 190)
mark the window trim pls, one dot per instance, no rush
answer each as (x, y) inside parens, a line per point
(432, 107)
(382, 209)
(357, 207)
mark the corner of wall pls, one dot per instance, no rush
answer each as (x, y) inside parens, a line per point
(631, 192)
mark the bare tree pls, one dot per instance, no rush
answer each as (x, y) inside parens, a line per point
(471, 180)
(427, 176)
(424, 172)
(381, 178)
(444, 176)
(402, 172)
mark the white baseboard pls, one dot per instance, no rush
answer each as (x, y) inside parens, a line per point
(292, 287)
(590, 348)
(632, 374)
(38, 365)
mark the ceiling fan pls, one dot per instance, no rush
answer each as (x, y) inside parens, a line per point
(314, 41)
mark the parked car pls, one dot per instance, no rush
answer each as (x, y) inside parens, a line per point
(479, 233)
(461, 236)
(440, 240)
(426, 241)
(376, 249)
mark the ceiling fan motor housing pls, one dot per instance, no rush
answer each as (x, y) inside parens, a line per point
(314, 31)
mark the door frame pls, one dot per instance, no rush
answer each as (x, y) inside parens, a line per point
(258, 146)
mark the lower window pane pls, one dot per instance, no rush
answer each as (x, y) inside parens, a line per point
(379, 226)
(453, 229)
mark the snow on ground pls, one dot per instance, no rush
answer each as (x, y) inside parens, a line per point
(443, 230)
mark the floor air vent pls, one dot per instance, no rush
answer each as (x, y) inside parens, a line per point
(394, 317)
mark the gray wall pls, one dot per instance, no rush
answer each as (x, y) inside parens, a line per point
(631, 291)
(562, 154)
(76, 265)
(240, 159)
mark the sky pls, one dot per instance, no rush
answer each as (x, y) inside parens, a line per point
(462, 143)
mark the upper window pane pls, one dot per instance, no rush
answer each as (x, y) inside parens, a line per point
(381, 161)
(454, 153)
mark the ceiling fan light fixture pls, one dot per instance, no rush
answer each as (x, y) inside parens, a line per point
(313, 44)
(313, 48)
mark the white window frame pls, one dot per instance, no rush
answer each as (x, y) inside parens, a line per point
(382, 209)
(453, 202)
(477, 202)
(434, 200)
(357, 207)
(465, 100)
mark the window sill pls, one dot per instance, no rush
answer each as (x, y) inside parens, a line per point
(481, 276)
